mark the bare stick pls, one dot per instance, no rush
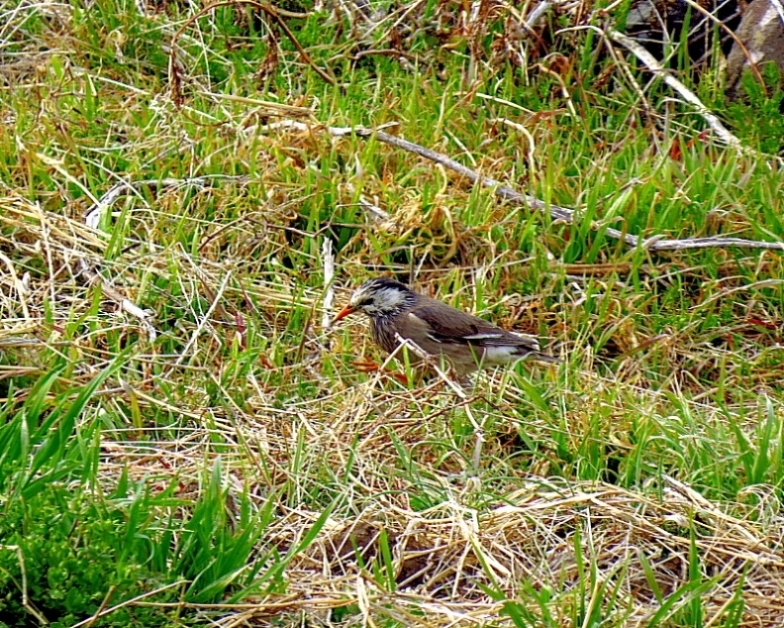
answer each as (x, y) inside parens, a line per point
(96, 279)
(133, 601)
(124, 188)
(329, 275)
(25, 598)
(204, 320)
(570, 216)
(374, 211)
(654, 66)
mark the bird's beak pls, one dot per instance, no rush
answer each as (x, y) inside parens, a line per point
(349, 309)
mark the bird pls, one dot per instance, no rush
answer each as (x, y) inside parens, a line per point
(465, 341)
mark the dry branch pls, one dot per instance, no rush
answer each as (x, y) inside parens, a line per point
(570, 216)
(125, 188)
(328, 258)
(94, 278)
(654, 66)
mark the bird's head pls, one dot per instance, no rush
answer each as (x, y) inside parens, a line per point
(378, 298)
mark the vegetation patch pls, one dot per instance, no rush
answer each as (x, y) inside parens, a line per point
(189, 194)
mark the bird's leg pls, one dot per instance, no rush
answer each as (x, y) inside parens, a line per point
(373, 367)
(366, 366)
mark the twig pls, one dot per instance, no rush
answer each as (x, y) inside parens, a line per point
(28, 606)
(654, 66)
(125, 304)
(377, 214)
(132, 601)
(106, 598)
(93, 216)
(204, 319)
(656, 243)
(570, 216)
(329, 275)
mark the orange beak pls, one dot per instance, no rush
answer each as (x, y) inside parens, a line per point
(349, 309)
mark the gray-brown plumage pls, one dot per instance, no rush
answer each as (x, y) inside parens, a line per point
(466, 341)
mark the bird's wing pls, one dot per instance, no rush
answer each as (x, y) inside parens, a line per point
(445, 324)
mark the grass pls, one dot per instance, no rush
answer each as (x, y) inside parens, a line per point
(221, 460)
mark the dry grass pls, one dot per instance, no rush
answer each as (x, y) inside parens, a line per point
(576, 543)
(638, 484)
